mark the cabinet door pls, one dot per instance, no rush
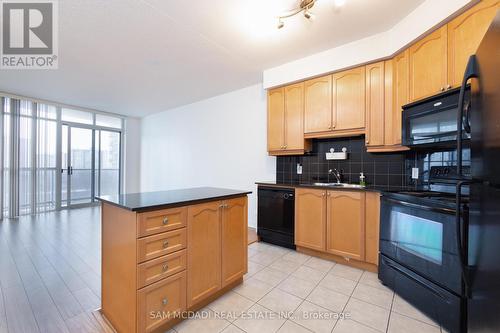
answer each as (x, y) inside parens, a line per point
(275, 119)
(345, 230)
(204, 251)
(294, 117)
(428, 68)
(310, 218)
(349, 99)
(401, 91)
(464, 35)
(372, 226)
(318, 104)
(375, 117)
(234, 240)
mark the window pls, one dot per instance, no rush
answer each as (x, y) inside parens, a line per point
(76, 116)
(107, 121)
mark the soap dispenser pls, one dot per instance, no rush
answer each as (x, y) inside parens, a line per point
(362, 181)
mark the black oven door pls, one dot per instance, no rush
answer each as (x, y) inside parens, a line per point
(423, 239)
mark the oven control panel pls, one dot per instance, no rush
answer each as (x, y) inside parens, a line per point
(447, 173)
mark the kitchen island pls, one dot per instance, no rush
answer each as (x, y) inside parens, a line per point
(166, 253)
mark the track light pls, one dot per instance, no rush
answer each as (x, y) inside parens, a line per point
(281, 24)
(307, 15)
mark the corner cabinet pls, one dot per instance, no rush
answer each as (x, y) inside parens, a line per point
(285, 134)
(465, 32)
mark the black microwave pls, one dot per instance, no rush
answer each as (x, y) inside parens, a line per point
(433, 121)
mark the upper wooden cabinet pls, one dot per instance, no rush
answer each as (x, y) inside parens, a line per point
(345, 228)
(464, 35)
(348, 96)
(428, 65)
(375, 107)
(310, 218)
(318, 105)
(285, 131)
(400, 91)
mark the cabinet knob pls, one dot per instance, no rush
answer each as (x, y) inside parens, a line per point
(164, 268)
(448, 87)
(323, 194)
(165, 244)
(165, 220)
(221, 206)
(284, 147)
(442, 89)
(164, 301)
(328, 194)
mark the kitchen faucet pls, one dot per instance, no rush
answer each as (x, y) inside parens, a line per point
(336, 173)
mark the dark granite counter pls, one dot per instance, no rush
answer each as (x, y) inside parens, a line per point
(307, 185)
(146, 201)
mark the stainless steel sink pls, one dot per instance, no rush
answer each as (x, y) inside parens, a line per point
(340, 185)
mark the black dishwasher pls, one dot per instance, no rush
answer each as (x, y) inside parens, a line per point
(276, 215)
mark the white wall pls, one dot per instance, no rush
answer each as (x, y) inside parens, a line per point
(132, 156)
(426, 16)
(218, 142)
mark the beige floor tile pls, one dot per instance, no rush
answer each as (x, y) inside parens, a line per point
(309, 274)
(328, 299)
(314, 317)
(291, 327)
(339, 284)
(403, 307)
(232, 329)
(210, 324)
(373, 295)
(346, 272)
(351, 326)
(319, 264)
(371, 279)
(297, 257)
(400, 323)
(259, 320)
(278, 250)
(254, 267)
(298, 287)
(253, 289)
(264, 258)
(231, 305)
(279, 301)
(368, 314)
(270, 276)
(286, 266)
(251, 252)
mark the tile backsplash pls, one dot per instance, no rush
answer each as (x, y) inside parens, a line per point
(379, 169)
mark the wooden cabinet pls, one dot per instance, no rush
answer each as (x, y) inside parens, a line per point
(310, 218)
(345, 227)
(348, 101)
(204, 249)
(401, 91)
(286, 120)
(428, 65)
(465, 32)
(375, 106)
(372, 227)
(234, 229)
(318, 105)
(275, 119)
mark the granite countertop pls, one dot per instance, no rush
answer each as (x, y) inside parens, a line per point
(147, 201)
(371, 188)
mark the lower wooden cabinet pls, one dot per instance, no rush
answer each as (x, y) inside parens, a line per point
(161, 301)
(310, 218)
(216, 251)
(345, 227)
(338, 222)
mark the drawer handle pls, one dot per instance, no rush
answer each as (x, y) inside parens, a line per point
(165, 220)
(164, 301)
(165, 244)
(164, 267)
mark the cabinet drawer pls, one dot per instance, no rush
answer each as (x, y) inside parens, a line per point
(158, 303)
(159, 268)
(155, 222)
(158, 245)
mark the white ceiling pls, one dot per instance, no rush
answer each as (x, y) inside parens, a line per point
(138, 57)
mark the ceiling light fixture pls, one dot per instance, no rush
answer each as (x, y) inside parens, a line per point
(304, 6)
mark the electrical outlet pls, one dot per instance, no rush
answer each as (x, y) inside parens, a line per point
(414, 173)
(299, 168)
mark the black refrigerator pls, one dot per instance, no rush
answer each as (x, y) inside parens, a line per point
(482, 117)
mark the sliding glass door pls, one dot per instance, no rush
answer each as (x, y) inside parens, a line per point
(107, 162)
